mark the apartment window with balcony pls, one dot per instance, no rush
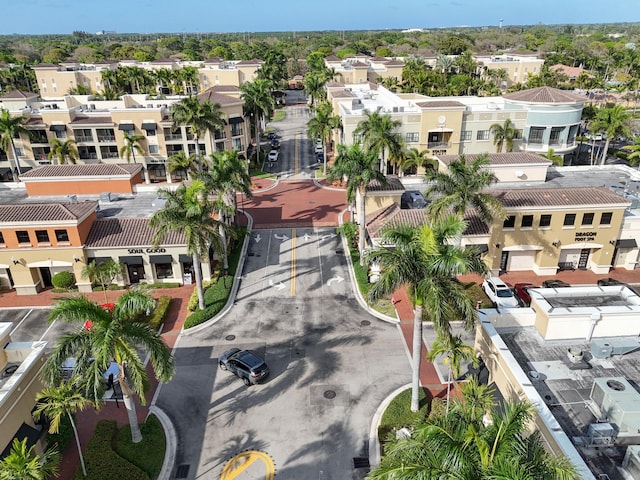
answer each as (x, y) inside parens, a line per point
(569, 219)
(482, 135)
(587, 219)
(170, 134)
(23, 237)
(110, 151)
(545, 220)
(237, 144)
(106, 135)
(605, 218)
(20, 151)
(42, 236)
(83, 135)
(509, 222)
(153, 149)
(236, 130)
(536, 134)
(465, 136)
(556, 132)
(62, 236)
(61, 135)
(38, 136)
(412, 137)
(527, 221)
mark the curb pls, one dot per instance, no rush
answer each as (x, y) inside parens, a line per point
(171, 446)
(374, 443)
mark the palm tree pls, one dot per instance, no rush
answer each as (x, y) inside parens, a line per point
(56, 402)
(259, 103)
(63, 150)
(634, 156)
(23, 463)
(414, 158)
(454, 351)
(423, 260)
(10, 128)
(359, 168)
(379, 135)
(463, 187)
(110, 335)
(189, 212)
(492, 444)
(102, 273)
(131, 146)
(201, 117)
(503, 135)
(444, 63)
(614, 122)
(321, 126)
(182, 161)
(314, 83)
(553, 158)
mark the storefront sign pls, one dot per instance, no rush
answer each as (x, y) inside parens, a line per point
(186, 278)
(146, 250)
(585, 236)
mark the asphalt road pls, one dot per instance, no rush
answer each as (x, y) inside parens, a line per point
(331, 365)
(30, 325)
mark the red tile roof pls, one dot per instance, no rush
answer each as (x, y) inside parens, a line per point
(333, 58)
(556, 197)
(127, 232)
(17, 95)
(439, 104)
(84, 170)
(45, 212)
(512, 158)
(216, 97)
(393, 185)
(545, 95)
(82, 120)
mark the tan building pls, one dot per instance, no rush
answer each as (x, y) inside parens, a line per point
(517, 66)
(362, 69)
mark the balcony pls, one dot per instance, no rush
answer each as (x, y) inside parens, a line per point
(84, 138)
(88, 156)
(106, 139)
(109, 154)
(220, 135)
(173, 137)
(439, 145)
(38, 140)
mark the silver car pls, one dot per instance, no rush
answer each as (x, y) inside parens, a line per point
(245, 364)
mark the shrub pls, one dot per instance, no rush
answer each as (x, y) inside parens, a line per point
(398, 414)
(115, 286)
(200, 316)
(102, 462)
(159, 313)
(63, 280)
(164, 285)
(149, 453)
(192, 306)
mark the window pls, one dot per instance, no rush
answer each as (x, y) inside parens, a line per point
(151, 132)
(412, 137)
(517, 134)
(20, 151)
(545, 220)
(587, 219)
(465, 136)
(569, 219)
(554, 139)
(536, 134)
(527, 221)
(42, 236)
(482, 135)
(153, 149)
(61, 134)
(23, 236)
(509, 222)
(164, 270)
(62, 236)
(1, 238)
(605, 219)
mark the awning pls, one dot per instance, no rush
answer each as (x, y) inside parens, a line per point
(98, 260)
(25, 431)
(234, 120)
(58, 128)
(626, 243)
(149, 126)
(126, 127)
(160, 259)
(131, 260)
(155, 166)
(182, 258)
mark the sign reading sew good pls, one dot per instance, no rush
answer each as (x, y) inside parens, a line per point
(585, 236)
(147, 250)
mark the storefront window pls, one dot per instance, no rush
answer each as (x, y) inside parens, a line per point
(164, 270)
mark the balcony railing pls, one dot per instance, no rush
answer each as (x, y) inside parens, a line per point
(439, 145)
(39, 140)
(171, 137)
(106, 139)
(109, 154)
(84, 138)
(88, 156)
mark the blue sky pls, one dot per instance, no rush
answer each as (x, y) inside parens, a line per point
(147, 16)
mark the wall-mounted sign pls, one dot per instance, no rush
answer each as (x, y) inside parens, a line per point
(146, 250)
(585, 236)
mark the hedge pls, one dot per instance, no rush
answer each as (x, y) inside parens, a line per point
(159, 314)
(102, 461)
(63, 280)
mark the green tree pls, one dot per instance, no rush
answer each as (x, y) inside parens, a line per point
(414, 158)
(11, 127)
(379, 135)
(63, 150)
(102, 273)
(424, 260)
(321, 125)
(184, 162)
(189, 212)
(314, 83)
(259, 103)
(614, 122)
(503, 135)
(464, 186)
(553, 158)
(110, 335)
(23, 463)
(131, 146)
(359, 168)
(56, 402)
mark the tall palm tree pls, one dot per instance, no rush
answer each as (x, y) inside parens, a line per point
(359, 168)
(321, 126)
(102, 273)
(454, 351)
(314, 83)
(614, 122)
(63, 150)
(463, 186)
(414, 158)
(426, 262)
(131, 146)
(201, 117)
(182, 161)
(110, 335)
(258, 102)
(492, 444)
(23, 463)
(56, 402)
(188, 211)
(11, 127)
(503, 135)
(379, 135)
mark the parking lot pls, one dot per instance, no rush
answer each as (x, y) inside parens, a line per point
(31, 325)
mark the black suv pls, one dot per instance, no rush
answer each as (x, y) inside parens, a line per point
(245, 364)
(412, 199)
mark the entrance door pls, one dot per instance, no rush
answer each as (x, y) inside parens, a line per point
(45, 274)
(136, 273)
(584, 258)
(504, 261)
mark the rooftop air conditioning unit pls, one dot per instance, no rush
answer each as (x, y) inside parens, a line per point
(631, 462)
(617, 401)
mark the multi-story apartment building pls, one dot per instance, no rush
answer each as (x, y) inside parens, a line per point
(362, 69)
(518, 66)
(98, 128)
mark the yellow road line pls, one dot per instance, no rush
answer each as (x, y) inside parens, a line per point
(293, 261)
(239, 463)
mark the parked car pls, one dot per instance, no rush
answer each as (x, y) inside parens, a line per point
(610, 282)
(320, 157)
(554, 283)
(271, 135)
(245, 364)
(273, 156)
(499, 293)
(412, 199)
(521, 291)
(319, 148)
(275, 143)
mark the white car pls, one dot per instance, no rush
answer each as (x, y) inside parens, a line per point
(273, 156)
(499, 293)
(319, 148)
